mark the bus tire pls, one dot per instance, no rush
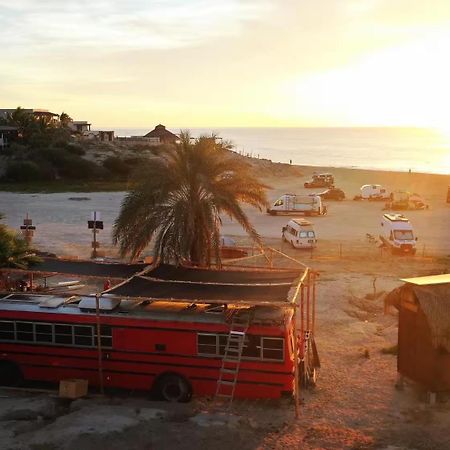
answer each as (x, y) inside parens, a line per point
(10, 374)
(174, 388)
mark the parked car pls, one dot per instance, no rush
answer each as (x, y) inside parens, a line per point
(403, 200)
(332, 193)
(320, 180)
(298, 204)
(372, 192)
(397, 233)
(299, 233)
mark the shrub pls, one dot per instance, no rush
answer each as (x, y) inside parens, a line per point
(75, 149)
(75, 167)
(116, 166)
(25, 171)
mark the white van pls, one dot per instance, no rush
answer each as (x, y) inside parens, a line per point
(372, 192)
(298, 204)
(397, 233)
(299, 233)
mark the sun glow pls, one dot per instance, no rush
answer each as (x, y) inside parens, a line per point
(400, 86)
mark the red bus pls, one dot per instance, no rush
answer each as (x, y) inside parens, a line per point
(173, 349)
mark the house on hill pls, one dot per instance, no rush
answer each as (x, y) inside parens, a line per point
(164, 136)
(79, 126)
(424, 330)
(7, 135)
(37, 113)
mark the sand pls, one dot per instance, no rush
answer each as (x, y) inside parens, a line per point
(62, 223)
(355, 404)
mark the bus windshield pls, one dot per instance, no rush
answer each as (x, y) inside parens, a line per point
(403, 235)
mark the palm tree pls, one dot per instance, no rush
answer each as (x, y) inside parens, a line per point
(64, 120)
(178, 199)
(14, 250)
(21, 119)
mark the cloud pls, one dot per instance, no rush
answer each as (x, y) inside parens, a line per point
(114, 24)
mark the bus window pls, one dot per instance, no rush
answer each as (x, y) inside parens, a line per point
(63, 334)
(24, 331)
(310, 234)
(303, 234)
(252, 346)
(83, 335)
(207, 344)
(7, 331)
(43, 332)
(273, 348)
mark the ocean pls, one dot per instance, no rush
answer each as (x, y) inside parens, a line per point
(402, 149)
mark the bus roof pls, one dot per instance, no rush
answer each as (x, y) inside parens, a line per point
(138, 308)
(396, 217)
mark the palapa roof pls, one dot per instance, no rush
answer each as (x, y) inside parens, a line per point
(428, 280)
(434, 301)
(432, 294)
(160, 132)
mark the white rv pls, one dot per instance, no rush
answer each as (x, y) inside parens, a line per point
(298, 204)
(372, 192)
(299, 233)
(397, 233)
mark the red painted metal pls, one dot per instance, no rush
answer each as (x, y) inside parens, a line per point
(134, 361)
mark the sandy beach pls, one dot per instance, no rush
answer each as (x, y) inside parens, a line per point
(61, 219)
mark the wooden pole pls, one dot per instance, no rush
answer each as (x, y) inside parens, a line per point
(308, 294)
(295, 335)
(302, 311)
(99, 343)
(296, 374)
(313, 302)
(94, 231)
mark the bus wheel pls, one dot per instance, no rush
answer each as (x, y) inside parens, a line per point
(174, 388)
(10, 374)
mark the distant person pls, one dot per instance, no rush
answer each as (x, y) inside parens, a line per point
(107, 285)
(409, 170)
(290, 161)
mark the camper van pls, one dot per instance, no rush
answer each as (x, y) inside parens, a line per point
(298, 204)
(372, 192)
(299, 233)
(397, 233)
(320, 180)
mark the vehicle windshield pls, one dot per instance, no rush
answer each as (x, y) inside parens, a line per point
(279, 202)
(403, 235)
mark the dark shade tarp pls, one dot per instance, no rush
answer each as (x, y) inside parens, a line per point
(88, 268)
(144, 287)
(247, 276)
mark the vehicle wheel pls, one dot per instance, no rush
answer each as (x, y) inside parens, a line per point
(174, 388)
(10, 374)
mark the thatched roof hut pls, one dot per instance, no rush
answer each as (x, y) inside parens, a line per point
(424, 330)
(164, 136)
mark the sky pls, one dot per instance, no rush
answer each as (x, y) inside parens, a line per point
(216, 63)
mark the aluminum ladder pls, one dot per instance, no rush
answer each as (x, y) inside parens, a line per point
(228, 375)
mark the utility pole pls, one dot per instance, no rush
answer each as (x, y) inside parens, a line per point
(27, 229)
(95, 224)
